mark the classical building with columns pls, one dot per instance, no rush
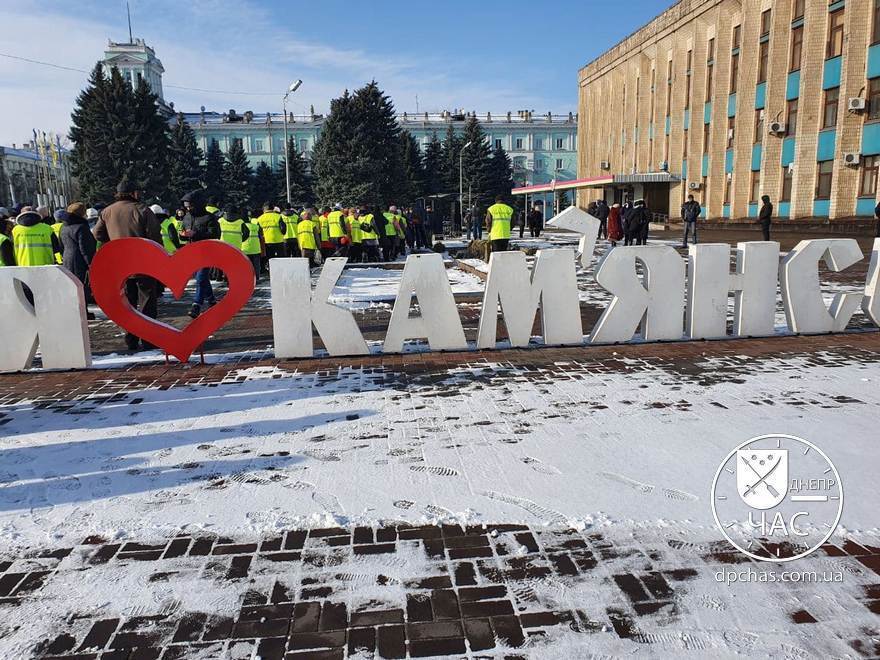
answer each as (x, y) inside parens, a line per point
(733, 99)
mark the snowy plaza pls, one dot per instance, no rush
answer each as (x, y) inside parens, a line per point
(543, 502)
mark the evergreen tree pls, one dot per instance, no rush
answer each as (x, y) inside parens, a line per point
(89, 157)
(264, 189)
(185, 170)
(500, 173)
(449, 160)
(213, 173)
(237, 176)
(150, 143)
(433, 166)
(414, 171)
(301, 192)
(475, 166)
(562, 200)
(334, 161)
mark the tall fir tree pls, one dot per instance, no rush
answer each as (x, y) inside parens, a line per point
(563, 201)
(301, 191)
(237, 178)
(185, 169)
(413, 168)
(150, 143)
(264, 190)
(475, 166)
(335, 168)
(433, 166)
(213, 173)
(89, 157)
(451, 147)
(500, 173)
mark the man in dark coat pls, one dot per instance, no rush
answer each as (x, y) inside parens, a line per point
(631, 226)
(200, 225)
(690, 212)
(764, 216)
(78, 245)
(601, 213)
(536, 220)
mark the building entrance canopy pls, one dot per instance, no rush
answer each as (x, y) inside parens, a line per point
(598, 182)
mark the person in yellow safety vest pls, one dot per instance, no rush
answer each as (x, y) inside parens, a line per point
(355, 250)
(308, 236)
(369, 235)
(56, 228)
(498, 217)
(170, 237)
(210, 208)
(291, 220)
(178, 220)
(274, 230)
(336, 227)
(405, 235)
(234, 232)
(33, 241)
(252, 246)
(7, 254)
(389, 241)
(324, 225)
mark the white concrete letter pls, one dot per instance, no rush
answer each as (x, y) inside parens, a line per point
(710, 283)
(295, 307)
(552, 286)
(659, 300)
(56, 321)
(805, 308)
(871, 301)
(578, 220)
(425, 276)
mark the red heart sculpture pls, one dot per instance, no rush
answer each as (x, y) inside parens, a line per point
(118, 260)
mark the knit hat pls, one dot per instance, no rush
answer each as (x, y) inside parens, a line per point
(77, 209)
(157, 210)
(59, 215)
(125, 186)
(92, 214)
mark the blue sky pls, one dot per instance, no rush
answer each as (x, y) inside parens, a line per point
(483, 56)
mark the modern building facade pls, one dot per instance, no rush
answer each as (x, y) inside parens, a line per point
(734, 99)
(34, 175)
(136, 61)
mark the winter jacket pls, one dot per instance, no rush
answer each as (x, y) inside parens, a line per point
(536, 219)
(31, 219)
(602, 210)
(199, 224)
(690, 211)
(766, 212)
(78, 243)
(127, 218)
(615, 228)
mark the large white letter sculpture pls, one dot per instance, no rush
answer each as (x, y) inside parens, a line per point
(295, 307)
(577, 220)
(871, 301)
(56, 321)
(425, 276)
(710, 283)
(552, 286)
(660, 300)
(805, 308)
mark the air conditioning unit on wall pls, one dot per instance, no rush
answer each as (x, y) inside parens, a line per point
(852, 159)
(776, 128)
(694, 186)
(856, 104)
(605, 165)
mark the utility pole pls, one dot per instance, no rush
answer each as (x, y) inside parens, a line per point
(290, 90)
(461, 186)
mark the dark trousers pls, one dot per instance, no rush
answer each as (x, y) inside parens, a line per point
(522, 229)
(388, 249)
(355, 252)
(603, 228)
(142, 294)
(643, 235)
(256, 260)
(765, 229)
(204, 291)
(689, 227)
(273, 250)
(291, 247)
(372, 253)
(421, 238)
(500, 244)
(629, 238)
(535, 230)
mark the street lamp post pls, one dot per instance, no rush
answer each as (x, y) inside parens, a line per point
(461, 184)
(290, 90)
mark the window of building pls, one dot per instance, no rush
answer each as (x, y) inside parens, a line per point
(236, 141)
(258, 146)
(754, 186)
(539, 142)
(704, 190)
(497, 143)
(797, 9)
(518, 144)
(787, 181)
(797, 48)
(668, 87)
(823, 182)
(870, 170)
(706, 138)
(684, 142)
(539, 165)
(759, 126)
(835, 34)
(765, 22)
(875, 35)
(731, 131)
(687, 90)
(763, 60)
(874, 98)
(728, 179)
(709, 72)
(711, 50)
(737, 35)
(792, 117)
(303, 146)
(829, 113)
(734, 72)
(560, 143)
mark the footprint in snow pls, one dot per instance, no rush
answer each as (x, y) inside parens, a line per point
(435, 470)
(647, 489)
(539, 466)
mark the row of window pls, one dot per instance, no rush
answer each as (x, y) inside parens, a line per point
(519, 162)
(868, 178)
(518, 143)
